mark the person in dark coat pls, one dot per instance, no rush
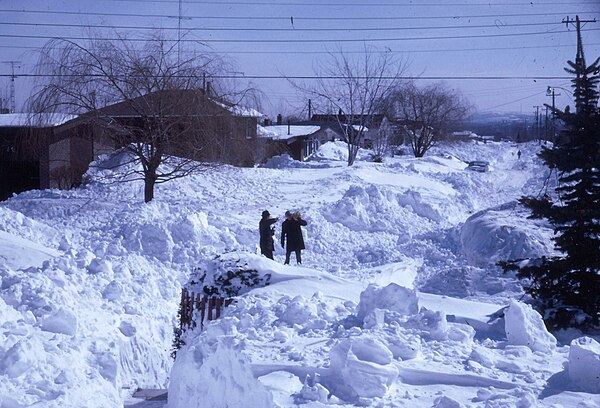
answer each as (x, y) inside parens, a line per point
(291, 230)
(267, 245)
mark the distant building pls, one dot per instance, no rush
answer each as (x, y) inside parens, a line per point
(299, 141)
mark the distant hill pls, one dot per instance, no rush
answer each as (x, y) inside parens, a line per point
(503, 126)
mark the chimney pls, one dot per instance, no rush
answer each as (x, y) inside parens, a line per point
(289, 128)
(279, 119)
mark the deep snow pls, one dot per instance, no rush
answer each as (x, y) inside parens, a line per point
(91, 278)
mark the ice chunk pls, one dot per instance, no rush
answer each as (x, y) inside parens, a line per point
(584, 364)
(524, 326)
(61, 321)
(25, 354)
(392, 297)
(362, 372)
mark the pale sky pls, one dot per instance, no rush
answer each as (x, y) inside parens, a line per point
(506, 53)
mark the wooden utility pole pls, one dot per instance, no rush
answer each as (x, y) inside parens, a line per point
(579, 59)
(13, 64)
(537, 121)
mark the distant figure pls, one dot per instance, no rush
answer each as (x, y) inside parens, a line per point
(267, 245)
(519, 155)
(291, 229)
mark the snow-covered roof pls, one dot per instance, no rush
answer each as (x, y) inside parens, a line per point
(238, 110)
(284, 132)
(34, 119)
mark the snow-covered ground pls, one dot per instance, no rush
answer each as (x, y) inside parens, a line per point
(396, 304)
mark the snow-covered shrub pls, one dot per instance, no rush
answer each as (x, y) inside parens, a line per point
(227, 275)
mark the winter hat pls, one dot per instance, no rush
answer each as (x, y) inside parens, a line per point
(265, 214)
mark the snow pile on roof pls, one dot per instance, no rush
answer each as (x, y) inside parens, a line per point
(284, 132)
(34, 119)
(239, 110)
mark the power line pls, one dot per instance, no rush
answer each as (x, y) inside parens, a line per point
(320, 40)
(328, 77)
(287, 18)
(462, 27)
(270, 3)
(356, 52)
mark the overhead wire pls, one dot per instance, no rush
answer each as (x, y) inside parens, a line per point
(319, 40)
(328, 77)
(130, 27)
(348, 4)
(355, 52)
(296, 18)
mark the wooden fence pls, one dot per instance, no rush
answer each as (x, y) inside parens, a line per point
(210, 307)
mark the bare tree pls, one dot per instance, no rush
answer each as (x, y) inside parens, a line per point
(426, 112)
(353, 90)
(146, 97)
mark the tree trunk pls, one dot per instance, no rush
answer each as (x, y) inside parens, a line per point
(149, 182)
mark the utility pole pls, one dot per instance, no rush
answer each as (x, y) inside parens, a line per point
(13, 64)
(309, 109)
(537, 121)
(579, 59)
(550, 92)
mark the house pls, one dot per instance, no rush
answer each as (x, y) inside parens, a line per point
(368, 124)
(23, 141)
(188, 123)
(299, 141)
(195, 126)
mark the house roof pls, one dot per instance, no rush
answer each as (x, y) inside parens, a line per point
(285, 132)
(175, 101)
(34, 119)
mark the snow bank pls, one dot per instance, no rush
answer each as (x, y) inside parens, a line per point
(336, 151)
(524, 326)
(283, 161)
(493, 235)
(376, 208)
(584, 364)
(211, 371)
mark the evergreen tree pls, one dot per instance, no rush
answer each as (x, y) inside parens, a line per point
(567, 287)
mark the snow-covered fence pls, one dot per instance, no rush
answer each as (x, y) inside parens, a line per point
(210, 307)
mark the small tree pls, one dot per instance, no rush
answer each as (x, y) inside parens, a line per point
(427, 112)
(162, 93)
(567, 287)
(354, 88)
(382, 138)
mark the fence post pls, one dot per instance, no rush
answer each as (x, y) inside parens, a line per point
(210, 308)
